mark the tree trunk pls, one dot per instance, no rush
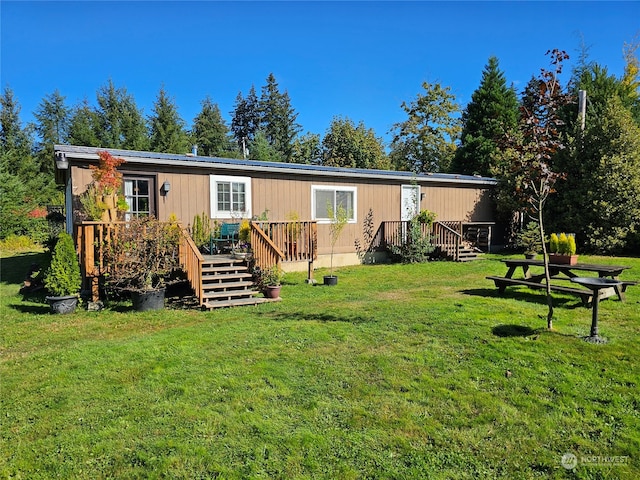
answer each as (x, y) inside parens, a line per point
(547, 276)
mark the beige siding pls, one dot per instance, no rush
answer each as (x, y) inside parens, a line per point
(283, 194)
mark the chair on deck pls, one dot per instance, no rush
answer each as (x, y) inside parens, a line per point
(226, 238)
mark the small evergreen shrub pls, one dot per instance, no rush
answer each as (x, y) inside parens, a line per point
(63, 278)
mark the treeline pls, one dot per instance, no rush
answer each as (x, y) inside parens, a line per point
(599, 199)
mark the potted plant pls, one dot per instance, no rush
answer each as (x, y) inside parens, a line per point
(562, 249)
(242, 249)
(139, 258)
(62, 279)
(529, 240)
(339, 219)
(107, 181)
(269, 281)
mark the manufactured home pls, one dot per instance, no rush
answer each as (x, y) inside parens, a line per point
(226, 190)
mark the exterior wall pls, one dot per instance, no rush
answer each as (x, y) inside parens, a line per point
(282, 194)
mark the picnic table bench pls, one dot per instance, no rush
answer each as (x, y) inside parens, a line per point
(560, 272)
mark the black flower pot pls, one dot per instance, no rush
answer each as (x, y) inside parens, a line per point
(63, 305)
(146, 300)
(330, 280)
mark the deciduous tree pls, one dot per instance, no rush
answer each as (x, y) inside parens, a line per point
(426, 141)
(348, 145)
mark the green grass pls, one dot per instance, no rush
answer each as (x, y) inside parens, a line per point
(397, 372)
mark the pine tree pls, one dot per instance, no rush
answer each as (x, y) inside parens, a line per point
(278, 119)
(52, 116)
(166, 127)
(210, 132)
(245, 118)
(491, 114)
(83, 126)
(119, 121)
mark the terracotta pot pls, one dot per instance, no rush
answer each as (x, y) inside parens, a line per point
(272, 291)
(563, 259)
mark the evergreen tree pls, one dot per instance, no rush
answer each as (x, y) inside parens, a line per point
(166, 127)
(52, 127)
(120, 123)
(24, 190)
(348, 145)
(245, 118)
(491, 114)
(83, 126)
(425, 142)
(278, 119)
(261, 149)
(210, 132)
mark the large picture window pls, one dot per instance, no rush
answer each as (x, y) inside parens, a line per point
(324, 198)
(230, 197)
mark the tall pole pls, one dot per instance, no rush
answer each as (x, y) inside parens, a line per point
(582, 107)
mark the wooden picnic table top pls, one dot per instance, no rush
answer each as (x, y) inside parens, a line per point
(601, 269)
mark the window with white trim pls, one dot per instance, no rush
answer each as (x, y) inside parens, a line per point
(326, 198)
(230, 196)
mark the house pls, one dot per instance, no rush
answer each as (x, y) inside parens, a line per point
(226, 189)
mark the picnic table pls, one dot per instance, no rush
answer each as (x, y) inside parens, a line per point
(559, 272)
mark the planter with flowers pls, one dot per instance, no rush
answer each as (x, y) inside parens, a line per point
(562, 249)
(242, 249)
(103, 200)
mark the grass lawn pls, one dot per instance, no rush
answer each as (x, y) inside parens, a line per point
(397, 372)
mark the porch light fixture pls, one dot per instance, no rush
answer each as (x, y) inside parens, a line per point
(61, 161)
(422, 195)
(166, 186)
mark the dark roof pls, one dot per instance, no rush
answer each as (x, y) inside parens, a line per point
(258, 165)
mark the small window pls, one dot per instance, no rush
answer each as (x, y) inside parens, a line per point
(138, 193)
(230, 197)
(324, 198)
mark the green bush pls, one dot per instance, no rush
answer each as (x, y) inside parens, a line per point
(63, 275)
(417, 247)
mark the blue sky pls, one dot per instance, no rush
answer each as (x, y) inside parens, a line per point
(359, 60)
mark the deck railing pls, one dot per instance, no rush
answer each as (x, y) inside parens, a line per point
(92, 238)
(265, 252)
(294, 241)
(271, 242)
(191, 261)
(446, 236)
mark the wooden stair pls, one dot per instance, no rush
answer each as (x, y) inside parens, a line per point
(467, 252)
(226, 282)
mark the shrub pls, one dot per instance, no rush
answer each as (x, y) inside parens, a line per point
(63, 275)
(417, 247)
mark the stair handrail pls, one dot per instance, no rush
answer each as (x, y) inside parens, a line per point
(266, 253)
(443, 241)
(191, 261)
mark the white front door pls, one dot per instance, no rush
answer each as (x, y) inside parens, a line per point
(410, 202)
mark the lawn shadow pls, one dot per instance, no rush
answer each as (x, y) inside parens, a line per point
(32, 309)
(514, 331)
(14, 269)
(321, 317)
